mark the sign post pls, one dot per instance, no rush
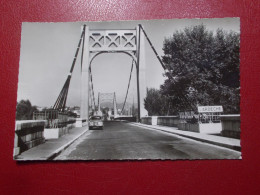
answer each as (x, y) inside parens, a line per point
(206, 113)
(203, 109)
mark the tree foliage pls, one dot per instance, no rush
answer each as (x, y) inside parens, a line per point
(205, 69)
(24, 110)
(155, 103)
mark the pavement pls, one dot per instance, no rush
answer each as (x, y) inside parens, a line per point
(122, 137)
(211, 139)
(53, 147)
(132, 141)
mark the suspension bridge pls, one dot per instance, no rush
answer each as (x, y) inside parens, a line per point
(119, 140)
(96, 42)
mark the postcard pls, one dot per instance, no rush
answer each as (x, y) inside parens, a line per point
(129, 90)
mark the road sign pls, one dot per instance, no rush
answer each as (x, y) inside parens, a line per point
(203, 109)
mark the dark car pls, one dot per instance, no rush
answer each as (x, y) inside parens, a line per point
(96, 122)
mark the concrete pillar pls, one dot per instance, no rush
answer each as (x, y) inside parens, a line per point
(84, 114)
(141, 72)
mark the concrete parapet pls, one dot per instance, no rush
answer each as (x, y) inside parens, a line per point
(146, 120)
(126, 118)
(230, 125)
(174, 121)
(189, 127)
(28, 134)
(206, 128)
(171, 121)
(149, 120)
(24, 124)
(55, 133)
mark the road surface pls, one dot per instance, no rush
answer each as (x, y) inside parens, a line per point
(124, 141)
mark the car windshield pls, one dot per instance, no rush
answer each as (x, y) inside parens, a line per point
(96, 117)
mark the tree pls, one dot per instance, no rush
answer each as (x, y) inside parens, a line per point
(24, 110)
(204, 69)
(155, 103)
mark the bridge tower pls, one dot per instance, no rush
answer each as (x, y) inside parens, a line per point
(141, 73)
(84, 103)
(130, 42)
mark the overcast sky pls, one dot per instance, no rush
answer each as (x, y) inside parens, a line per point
(47, 51)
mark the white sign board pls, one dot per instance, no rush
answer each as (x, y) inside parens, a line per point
(202, 109)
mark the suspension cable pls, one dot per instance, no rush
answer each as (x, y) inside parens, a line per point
(128, 86)
(155, 52)
(82, 49)
(91, 82)
(62, 98)
(91, 98)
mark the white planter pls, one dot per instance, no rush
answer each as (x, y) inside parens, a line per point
(210, 128)
(51, 133)
(78, 122)
(154, 120)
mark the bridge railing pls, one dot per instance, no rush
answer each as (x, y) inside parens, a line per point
(58, 123)
(28, 134)
(149, 120)
(125, 118)
(54, 118)
(171, 121)
(231, 125)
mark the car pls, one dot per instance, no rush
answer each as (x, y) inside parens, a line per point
(96, 122)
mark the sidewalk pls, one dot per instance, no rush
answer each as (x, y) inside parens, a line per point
(230, 143)
(51, 148)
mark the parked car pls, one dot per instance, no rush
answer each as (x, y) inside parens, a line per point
(96, 122)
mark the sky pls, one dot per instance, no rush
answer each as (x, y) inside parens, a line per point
(48, 49)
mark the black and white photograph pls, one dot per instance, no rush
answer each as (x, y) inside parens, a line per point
(129, 90)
